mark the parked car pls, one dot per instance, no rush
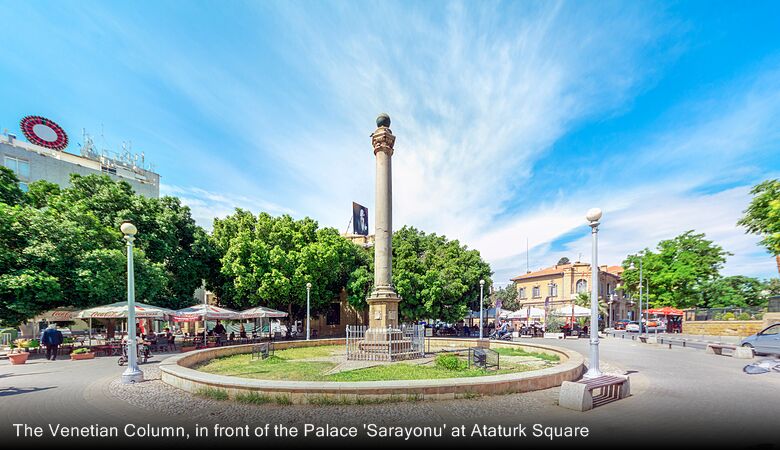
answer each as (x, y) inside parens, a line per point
(621, 324)
(766, 341)
(632, 327)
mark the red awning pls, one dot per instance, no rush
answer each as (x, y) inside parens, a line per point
(665, 311)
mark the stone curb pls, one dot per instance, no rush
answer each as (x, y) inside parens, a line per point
(176, 372)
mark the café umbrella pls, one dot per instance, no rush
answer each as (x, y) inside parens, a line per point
(204, 312)
(261, 312)
(119, 310)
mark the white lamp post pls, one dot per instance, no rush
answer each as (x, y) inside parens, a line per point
(639, 312)
(132, 374)
(593, 216)
(308, 311)
(481, 309)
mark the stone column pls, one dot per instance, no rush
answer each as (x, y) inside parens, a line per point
(383, 301)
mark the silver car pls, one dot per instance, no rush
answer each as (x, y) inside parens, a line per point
(766, 341)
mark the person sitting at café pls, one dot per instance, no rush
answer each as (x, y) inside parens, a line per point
(219, 329)
(232, 336)
(242, 332)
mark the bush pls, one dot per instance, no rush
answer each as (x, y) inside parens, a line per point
(80, 351)
(450, 362)
(744, 316)
(729, 316)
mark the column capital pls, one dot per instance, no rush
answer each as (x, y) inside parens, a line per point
(383, 140)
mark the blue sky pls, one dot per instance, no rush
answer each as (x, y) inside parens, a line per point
(512, 119)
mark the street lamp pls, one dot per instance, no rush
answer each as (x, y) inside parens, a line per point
(593, 216)
(612, 299)
(308, 311)
(132, 374)
(481, 309)
(640, 292)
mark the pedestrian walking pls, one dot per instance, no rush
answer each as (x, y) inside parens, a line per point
(51, 338)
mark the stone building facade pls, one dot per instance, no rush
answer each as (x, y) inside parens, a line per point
(559, 286)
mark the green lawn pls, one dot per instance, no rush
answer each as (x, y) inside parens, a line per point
(288, 365)
(309, 352)
(521, 352)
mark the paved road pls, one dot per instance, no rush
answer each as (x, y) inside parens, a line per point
(680, 394)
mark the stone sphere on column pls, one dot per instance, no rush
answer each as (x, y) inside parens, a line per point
(383, 120)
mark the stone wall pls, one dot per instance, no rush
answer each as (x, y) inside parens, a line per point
(741, 328)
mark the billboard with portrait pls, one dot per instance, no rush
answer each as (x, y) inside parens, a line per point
(359, 219)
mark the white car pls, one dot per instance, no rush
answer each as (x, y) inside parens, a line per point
(632, 327)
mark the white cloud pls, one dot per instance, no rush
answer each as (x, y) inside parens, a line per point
(206, 205)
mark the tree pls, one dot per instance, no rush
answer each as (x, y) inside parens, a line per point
(762, 217)
(564, 260)
(10, 193)
(268, 260)
(677, 271)
(437, 278)
(583, 299)
(734, 291)
(508, 297)
(62, 247)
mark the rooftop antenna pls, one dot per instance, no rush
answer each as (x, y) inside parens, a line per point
(527, 258)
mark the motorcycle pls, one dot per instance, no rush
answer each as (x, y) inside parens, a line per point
(505, 337)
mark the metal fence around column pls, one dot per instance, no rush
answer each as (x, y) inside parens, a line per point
(386, 344)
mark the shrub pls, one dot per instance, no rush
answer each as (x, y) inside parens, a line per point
(80, 351)
(729, 316)
(450, 362)
(744, 316)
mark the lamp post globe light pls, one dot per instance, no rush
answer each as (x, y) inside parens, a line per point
(593, 216)
(308, 311)
(132, 374)
(481, 308)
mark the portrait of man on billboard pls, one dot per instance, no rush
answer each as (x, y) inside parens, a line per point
(360, 219)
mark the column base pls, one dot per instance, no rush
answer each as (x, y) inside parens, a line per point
(131, 376)
(383, 308)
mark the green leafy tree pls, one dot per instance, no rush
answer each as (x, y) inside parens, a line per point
(62, 247)
(583, 299)
(268, 260)
(772, 286)
(762, 217)
(736, 291)
(564, 260)
(437, 278)
(508, 297)
(677, 271)
(10, 193)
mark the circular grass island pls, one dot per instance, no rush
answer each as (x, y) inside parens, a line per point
(317, 372)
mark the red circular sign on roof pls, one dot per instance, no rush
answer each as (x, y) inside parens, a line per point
(44, 132)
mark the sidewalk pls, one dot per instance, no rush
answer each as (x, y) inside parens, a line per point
(692, 340)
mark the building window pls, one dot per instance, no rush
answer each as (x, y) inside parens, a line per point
(582, 286)
(537, 292)
(521, 292)
(553, 290)
(20, 167)
(333, 317)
